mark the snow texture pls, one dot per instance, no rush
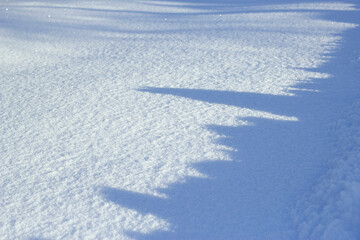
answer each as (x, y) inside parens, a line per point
(332, 211)
(179, 119)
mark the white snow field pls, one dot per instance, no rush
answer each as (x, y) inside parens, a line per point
(180, 119)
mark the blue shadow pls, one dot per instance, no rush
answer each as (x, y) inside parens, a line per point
(274, 163)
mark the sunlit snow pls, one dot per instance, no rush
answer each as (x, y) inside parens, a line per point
(179, 119)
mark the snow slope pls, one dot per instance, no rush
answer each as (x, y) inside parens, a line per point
(179, 119)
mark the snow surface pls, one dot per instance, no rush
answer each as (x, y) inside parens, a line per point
(179, 119)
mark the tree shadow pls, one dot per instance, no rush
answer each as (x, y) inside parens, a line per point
(274, 162)
(33, 26)
(250, 196)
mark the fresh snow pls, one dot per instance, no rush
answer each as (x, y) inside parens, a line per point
(180, 119)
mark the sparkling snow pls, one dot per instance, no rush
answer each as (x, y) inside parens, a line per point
(179, 119)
